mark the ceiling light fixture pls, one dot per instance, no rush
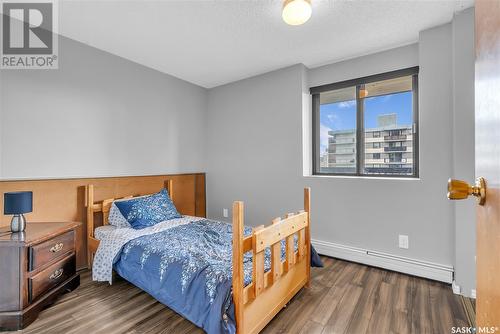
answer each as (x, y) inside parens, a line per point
(296, 12)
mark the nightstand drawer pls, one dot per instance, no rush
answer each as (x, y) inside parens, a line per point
(51, 277)
(45, 252)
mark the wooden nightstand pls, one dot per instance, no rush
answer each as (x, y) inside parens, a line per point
(36, 266)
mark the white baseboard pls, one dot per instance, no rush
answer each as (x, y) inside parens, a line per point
(438, 272)
(456, 288)
(473, 293)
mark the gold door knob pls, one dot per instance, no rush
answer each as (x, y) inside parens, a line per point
(458, 189)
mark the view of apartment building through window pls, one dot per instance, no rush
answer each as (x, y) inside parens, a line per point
(388, 149)
(367, 128)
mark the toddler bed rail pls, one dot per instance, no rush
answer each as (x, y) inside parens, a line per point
(258, 303)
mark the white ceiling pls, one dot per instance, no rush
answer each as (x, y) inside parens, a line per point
(213, 42)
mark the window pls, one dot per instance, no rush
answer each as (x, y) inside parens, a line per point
(367, 126)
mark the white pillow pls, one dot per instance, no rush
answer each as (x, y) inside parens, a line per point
(116, 218)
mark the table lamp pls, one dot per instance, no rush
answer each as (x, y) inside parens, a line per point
(17, 203)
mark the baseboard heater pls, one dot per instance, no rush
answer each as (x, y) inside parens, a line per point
(435, 271)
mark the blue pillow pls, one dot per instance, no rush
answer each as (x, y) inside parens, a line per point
(149, 210)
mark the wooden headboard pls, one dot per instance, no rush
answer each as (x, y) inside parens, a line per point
(64, 199)
(101, 209)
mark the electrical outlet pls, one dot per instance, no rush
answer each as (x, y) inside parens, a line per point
(225, 213)
(403, 241)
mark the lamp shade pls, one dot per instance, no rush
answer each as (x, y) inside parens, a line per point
(18, 202)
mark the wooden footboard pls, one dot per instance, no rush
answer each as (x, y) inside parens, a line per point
(258, 303)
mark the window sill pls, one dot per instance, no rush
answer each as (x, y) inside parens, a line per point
(390, 178)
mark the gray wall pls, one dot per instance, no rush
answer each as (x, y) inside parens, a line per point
(98, 115)
(256, 148)
(1, 121)
(463, 147)
(390, 60)
(354, 211)
(256, 155)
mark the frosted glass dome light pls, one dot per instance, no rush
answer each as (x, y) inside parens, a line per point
(296, 12)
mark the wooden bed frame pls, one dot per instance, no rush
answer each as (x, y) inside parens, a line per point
(258, 303)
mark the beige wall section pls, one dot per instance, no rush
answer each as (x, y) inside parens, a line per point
(99, 115)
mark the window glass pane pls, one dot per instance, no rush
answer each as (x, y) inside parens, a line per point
(388, 120)
(337, 131)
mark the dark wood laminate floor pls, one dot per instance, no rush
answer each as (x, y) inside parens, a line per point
(344, 297)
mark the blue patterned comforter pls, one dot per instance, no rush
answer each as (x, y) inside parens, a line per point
(189, 269)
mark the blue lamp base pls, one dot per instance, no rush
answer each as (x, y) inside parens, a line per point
(18, 223)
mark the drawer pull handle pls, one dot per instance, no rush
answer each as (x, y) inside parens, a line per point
(56, 274)
(57, 247)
